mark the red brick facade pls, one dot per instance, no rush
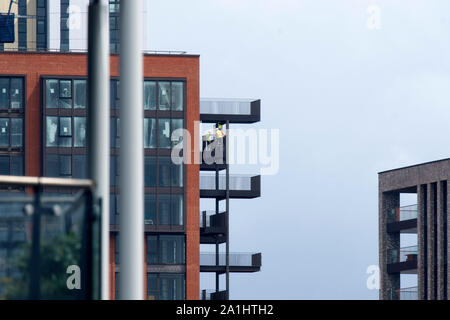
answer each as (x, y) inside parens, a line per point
(34, 65)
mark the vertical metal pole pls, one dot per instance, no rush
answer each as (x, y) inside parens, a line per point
(98, 123)
(131, 153)
(227, 204)
(35, 265)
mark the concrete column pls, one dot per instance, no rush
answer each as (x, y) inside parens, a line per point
(389, 283)
(431, 241)
(421, 243)
(440, 239)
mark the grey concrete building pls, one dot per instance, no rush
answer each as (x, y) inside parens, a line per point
(427, 219)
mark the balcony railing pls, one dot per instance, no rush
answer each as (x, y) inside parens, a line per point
(210, 294)
(405, 254)
(404, 294)
(233, 110)
(235, 259)
(205, 218)
(49, 239)
(403, 213)
(237, 182)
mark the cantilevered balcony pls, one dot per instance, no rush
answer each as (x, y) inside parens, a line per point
(238, 262)
(212, 227)
(241, 186)
(403, 219)
(232, 110)
(403, 260)
(210, 294)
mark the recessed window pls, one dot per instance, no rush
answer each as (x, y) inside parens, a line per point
(4, 132)
(52, 131)
(166, 249)
(51, 93)
(164, 95)
(170, 210)
(164, 133)
(16, 93)
(149, 133)
(4, 93)
(79, 87)
(65, 132)
(79, 124)
(177, 96)
(149, 95)
(150, 209)
(65, 94)
(150, 171)
(166, 286)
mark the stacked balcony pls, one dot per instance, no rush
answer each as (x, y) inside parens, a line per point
(217, 183)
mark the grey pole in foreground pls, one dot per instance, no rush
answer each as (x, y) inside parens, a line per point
(131, 277)
(98, 123)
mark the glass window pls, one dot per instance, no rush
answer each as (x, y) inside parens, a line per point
(65, 165)
(150, 209)
(176, 124)
(164, 166)
(51, 165)
(65, 131)
(79, 166)
(164, 95)
(112, 170)
(112, 209)
(150, 171)
(16, 132)
(172, 286)
(177, 175)
(51, 93)
(152, 286)
(118, 133)
(164, 133)
(171, 249)
(152, 250)
(164, 209)
(51, 131)
(177, 96)
(4, 93)
(79, 124)
(65, 94)
(4, 165)
(116, 250)
(16, 93)
(4, 132)
(112, 132)
(17, 165)
(149, 133)
(149, 95)
(79, 86)
(177, 211)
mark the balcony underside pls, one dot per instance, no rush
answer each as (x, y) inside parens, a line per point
(212, 238)
(406, 226)
(234, 269)
(406, 267)
(212, 167)
(234, 194)
(232, 118)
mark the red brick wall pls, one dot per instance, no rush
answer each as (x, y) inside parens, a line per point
(35, 65)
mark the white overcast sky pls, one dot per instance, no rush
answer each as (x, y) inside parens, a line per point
(349, 102)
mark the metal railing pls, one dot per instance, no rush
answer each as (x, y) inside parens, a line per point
(49, 239)
(402, 255)
(410, 293)
(403, 213)
(235, 259)
(49, 50)
(237, 182)
(210, 294)
(225, 106)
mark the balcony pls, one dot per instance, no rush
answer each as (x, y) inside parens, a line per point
(403, 219)
(241, 186)
(404, 294)
(212, 227)
(238, 262)
(48, 231)
(210, 294)
(403, 260)
(232, 110)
